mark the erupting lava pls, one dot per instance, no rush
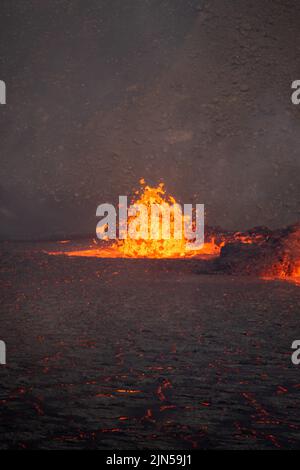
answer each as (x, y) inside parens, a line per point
(259, 252)
(153, 247)
(156, 246)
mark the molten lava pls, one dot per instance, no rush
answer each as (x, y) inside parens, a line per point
(287, 262)
(270, 255)
(156, 246)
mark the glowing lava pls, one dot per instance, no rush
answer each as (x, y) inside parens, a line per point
(154, 246)
(278, 252)
(287, 265)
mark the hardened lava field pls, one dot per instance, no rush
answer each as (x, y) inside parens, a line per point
(140, 353)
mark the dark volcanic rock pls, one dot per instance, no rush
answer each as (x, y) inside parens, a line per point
(277, 254)
(237, 258)
(144, 354)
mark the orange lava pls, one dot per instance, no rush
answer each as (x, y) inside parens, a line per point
(155, 246)
(285, 265)
(288, 265)
(292, 276)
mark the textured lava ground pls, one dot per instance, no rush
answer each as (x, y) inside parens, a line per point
(134, 354)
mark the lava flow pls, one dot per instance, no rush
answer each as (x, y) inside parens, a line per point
(286, 263)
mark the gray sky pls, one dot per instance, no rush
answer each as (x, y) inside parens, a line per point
(192, 93)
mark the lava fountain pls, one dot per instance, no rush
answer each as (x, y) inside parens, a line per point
(154, 246)
(259, 252)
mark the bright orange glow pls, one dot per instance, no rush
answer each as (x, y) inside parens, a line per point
(155, 246)
(288, 265)
(292, 276)
(285, 264)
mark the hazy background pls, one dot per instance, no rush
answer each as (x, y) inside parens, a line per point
(103, 92)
